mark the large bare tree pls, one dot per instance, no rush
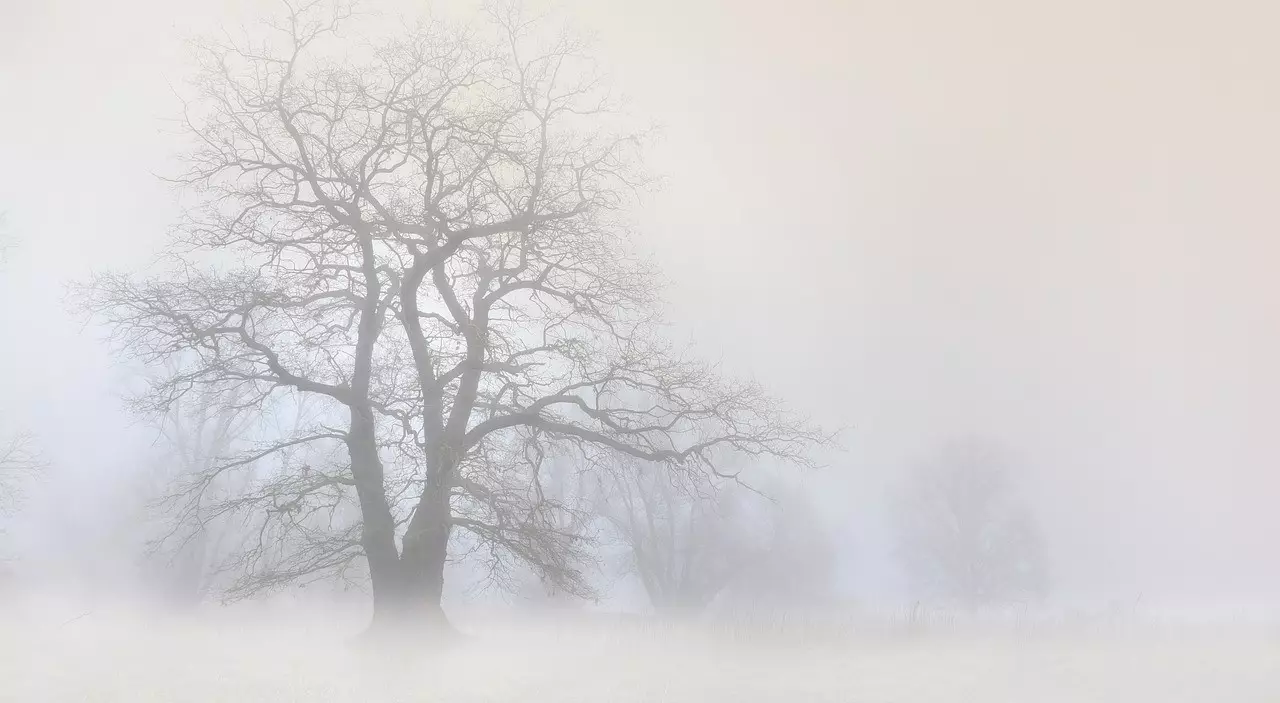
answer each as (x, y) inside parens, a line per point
(427, 234)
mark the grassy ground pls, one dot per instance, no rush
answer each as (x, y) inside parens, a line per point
(128, 658)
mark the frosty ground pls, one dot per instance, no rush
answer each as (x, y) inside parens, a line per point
(96, 656)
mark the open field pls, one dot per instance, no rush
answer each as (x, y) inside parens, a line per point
(129, 658)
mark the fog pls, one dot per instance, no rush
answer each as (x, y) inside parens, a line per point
(1045, 228)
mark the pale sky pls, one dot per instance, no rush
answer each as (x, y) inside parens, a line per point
(1048, 224)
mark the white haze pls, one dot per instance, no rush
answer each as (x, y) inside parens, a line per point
(297, 656)
(1051, 225)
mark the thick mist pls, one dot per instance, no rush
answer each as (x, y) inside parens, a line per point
(1042, 232)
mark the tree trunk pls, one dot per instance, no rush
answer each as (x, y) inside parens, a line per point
(408, 584)
(399, 601)
(426, 546)
(408, 609)
(406, 613)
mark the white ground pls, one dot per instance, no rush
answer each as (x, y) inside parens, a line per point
(119, 658)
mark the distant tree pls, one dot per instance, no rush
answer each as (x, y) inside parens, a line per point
(5, 242)
(686, 537)
(963, 532)
(562, 485)
(796, 562)
(203, 537)
(19, 461)
(197, 433)
(20, 458)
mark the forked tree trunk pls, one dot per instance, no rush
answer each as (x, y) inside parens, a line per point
(404, 612)
(408, 584)
(411, 604)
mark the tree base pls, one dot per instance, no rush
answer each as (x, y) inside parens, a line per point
(418, 628)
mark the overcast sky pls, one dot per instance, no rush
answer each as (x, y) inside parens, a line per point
(1049, 224)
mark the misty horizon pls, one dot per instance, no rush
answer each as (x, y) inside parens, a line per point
(1046, 231)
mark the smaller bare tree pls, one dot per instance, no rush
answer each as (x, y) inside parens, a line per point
(197, 432)
(687, 536)
(963, 532)
(5, 242)
(20, 458)
(796, 564)
(19, 461)
(563, 491)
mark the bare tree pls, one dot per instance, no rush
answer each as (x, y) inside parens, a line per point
(685, 538)
(796, 564)
(5, 242)
(198, 431)
(20, 457)
(19, 461)
(963, 532)
(561, 484)
(694, 542)
(433, 245)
